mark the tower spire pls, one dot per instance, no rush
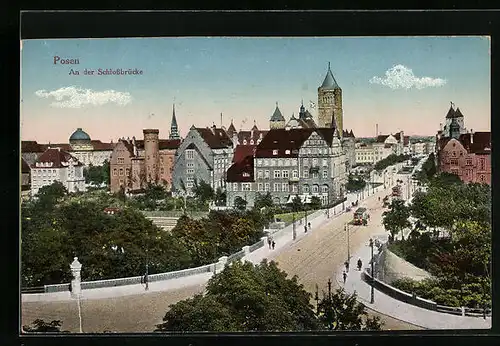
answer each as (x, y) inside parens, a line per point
(328, 65)
(174, 131)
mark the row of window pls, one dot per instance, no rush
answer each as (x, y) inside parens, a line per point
(277, 174)
(289, 162)
(283, 187)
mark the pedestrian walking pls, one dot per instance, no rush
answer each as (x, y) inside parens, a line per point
(273, 244)
(269, 241)
(146, 279)
(344, 276)
(309, 226)
(360, 264)
(346, 263)
(305, 228)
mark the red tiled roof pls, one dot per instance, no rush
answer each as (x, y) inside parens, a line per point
(31, 147)
(98, 145)
(25, 167)
(387, 145)
(292, 139)
(248, 135)
(480, 141)
(242, 151)
(216, 138)
(57, 157)
(381, 138)
(241, 171)
(172, 144)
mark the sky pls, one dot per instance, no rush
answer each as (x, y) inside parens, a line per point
(399, 83)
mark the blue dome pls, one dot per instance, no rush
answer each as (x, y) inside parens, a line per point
(79, 135)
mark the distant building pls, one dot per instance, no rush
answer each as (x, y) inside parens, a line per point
(205, 154)
(86, 150)
(240, 177)
(459, 118)
(468, 155)
(277, 120)
(54, 165)
(385, 145)
(243, 137)
(134, 163)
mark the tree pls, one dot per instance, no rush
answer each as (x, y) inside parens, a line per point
(355, 183)
(203, 191)
(297, 204)
(263, 201)
(315, 202)
(240, 203)
(49, 195)
(40, 326)
(341, 311)
(396, 218)
(220, 197)
(247, 298)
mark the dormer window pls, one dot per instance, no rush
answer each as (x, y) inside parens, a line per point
(246, 174)
(287, 152)
(275, 152)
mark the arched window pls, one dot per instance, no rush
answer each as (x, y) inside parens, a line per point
(305, 188)
(315, 188)
(324, 188)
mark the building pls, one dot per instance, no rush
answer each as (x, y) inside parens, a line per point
(330, 102)
(81, 146)
(383, 146)
(277, 120)
(291, 162)
(349, 146)
(252, 137)
(135, 163)
(240, 179)
(468, 155)
(56, 164)
(205, 154)
(459, 118)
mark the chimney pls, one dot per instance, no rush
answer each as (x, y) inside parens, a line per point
(440, 126)
(471, 136)
(221, 119)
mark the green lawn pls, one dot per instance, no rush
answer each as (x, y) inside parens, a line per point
(287, 218)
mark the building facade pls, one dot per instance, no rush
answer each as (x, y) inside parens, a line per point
(288, 163)
(54, 165)
(81, 146)
(135, 163)
(205, 154)
(468, 155)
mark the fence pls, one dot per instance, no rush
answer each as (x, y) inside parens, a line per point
(421, 302)
(235, 256)
(256, 246)
(38, 289)
(57, 288)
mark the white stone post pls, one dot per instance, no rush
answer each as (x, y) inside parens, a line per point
(76, 268)
(219, 266)
(246, 249)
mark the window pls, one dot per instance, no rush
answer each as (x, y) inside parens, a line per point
(287, 152)
(294, 188)
(246, 187)
(315, 162)
(273, 162)
(295, 173)
(267, 187)
(189, 171)
(235, 186)
(115, 172)
(121, 171)
(305, 173)
(189, 185)
(482, 165)
(325, 162)
(275, 152)
(325, 174)
(481, 177)
(324, 188)
(469, 162)
(266, 162)
(190, 154)
(190, 165)
(315, 188)
(120, 160)
(315, 175)
(266, 174)
(277, 174)
(276, 187)
(260, 187)
(285, 174)
(127, 171)
(454, 162)
(284, 187)
(305, 162)
(258, 162)
(305, 188)
(259, 174)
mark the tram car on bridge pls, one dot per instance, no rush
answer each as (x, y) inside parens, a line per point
(361, 217)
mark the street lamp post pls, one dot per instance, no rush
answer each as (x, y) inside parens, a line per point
(316, 298)
(372, 292)
(293, 226)
(346, 226)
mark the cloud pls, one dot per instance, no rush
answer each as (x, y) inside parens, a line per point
(402, 77)
(73, 97)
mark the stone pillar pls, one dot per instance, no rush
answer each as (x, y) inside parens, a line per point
(219, 266)
(76, 268)
(246, 249)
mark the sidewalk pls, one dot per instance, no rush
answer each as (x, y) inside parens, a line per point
(387, 305)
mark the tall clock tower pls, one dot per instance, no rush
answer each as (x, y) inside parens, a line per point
(330, 103)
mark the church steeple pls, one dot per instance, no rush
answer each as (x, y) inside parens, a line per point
(174, 131)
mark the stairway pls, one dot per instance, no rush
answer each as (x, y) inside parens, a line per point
(165, 223)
